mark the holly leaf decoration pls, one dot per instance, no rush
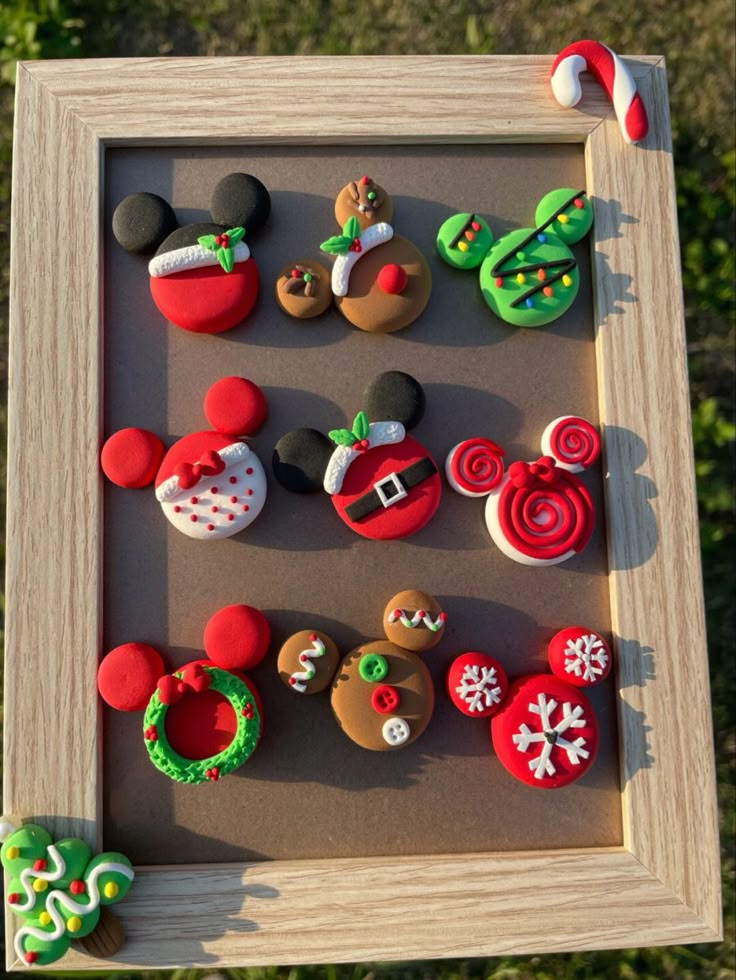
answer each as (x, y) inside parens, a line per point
(342, 437)
(225, 254)
(208, 242)
(226, 258)
(337, 245)
(236, 235)
(360, 423)
(351, 228)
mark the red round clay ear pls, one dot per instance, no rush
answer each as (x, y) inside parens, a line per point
(235, 406)
(237, 637)
(131, 457)
(127, 676)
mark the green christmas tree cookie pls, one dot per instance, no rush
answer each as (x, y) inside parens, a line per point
(57, 889)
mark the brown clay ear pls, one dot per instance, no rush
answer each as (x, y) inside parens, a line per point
(354, 192)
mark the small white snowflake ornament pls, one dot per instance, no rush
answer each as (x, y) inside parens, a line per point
(579, 656)
(476, 684)
(545, 734)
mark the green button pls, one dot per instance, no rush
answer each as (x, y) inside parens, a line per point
(373, 667)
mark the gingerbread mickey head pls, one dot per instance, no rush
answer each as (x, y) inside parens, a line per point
(205, 719)
(537, 513)
(529, 276)
(382, 694)
(543, 728)
(210, 484)
(382, 482)
(380, 281)
(202, 276)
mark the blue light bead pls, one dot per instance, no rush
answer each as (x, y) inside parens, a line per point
(542, 238)
(529, 303)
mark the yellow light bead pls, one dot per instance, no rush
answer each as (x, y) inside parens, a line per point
(521, 279)
(462, 246)
(563, 219)
(566, 281)
(12, 853)
(39, 885)
(44, 918)
(74, 924)
(111, 889)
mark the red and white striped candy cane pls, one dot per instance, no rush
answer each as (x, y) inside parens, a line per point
(610, 72)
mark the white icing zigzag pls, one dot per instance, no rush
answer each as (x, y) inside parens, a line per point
(420, 616)
(59, 898)
(300, 678)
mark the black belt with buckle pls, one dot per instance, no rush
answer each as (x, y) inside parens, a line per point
(391, 489)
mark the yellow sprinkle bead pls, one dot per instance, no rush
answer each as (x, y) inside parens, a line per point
(74, 924)
(521, 279)
(563, 219)
(44, 918)
(566, 281)
(39, 885)
(12, 853)
(462, 246)
(111, 889)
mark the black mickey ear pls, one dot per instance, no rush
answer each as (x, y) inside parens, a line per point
(396, 397)
(188, 235)
(241, 201)
(300, 459)
(141, 222)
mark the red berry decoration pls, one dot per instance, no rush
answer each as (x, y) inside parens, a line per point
(579, 656)
(545, 734)
(476, 684)
(77, 887)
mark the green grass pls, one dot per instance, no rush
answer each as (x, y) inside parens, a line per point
(698, 42)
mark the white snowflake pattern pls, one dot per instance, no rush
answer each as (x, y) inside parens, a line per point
(586, 657)
(478, 687)
(550, 735)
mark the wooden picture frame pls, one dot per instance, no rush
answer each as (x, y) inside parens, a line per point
(662, 886)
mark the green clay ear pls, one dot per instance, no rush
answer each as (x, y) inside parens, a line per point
(463, 240)
(113, 885)
(76, 856)
(566, 213)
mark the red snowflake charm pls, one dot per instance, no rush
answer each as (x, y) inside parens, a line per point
(579, 656)
(546, 733)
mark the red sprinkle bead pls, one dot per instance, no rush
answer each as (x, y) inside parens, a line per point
(475, 225)
(577, 202)
(312, 637)
(547, 290)
(192, 500)
(177, 509)
(77, 887)
(249, 471)
(214, 510)
(210, 527)
(39, 865)
(365, 180)
(231, 517)
(13, 897)
(30, 956)
(213, 490)
(249, 492)
(294, 273)
(233, 479)
(233, 500)
(499, 281)
(245, 508)
(193, 518)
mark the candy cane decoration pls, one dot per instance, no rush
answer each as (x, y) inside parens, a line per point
(300, 678)
(611, 73)
(420, 616)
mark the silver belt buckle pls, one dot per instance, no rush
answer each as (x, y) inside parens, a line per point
(397, 490)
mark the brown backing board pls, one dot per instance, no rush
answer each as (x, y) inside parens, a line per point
(308, 791)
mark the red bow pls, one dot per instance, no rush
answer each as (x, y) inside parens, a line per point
(194, 679)
(525, 474)
(190, 474)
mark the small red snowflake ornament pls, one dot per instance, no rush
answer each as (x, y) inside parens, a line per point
(545, 734)
(476, 684)
(579, 656)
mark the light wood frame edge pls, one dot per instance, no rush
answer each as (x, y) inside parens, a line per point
(663, 885)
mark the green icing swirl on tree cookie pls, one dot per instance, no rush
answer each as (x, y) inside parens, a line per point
(244, 741)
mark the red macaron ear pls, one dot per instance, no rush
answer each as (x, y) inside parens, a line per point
(237, 637)
(131, 457)
(572, 442)
(235, 406)
(128, 675)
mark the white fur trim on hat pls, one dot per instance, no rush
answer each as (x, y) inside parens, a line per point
(170, 489)
(191, 257)
(375, 235)
(379, 434)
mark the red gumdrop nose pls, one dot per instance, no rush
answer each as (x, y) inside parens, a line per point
(392, 279)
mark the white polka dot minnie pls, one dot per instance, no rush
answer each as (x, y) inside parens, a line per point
(210, 484)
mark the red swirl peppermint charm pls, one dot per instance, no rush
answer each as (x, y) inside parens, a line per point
(541, 514)
(573, 442)
(474, 467)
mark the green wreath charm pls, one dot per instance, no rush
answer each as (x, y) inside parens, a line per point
(190, 681)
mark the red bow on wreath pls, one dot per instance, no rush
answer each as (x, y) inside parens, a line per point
(189, 474)
(194, 679)
(525, 474)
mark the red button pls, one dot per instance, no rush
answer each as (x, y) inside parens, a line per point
(385, 699)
